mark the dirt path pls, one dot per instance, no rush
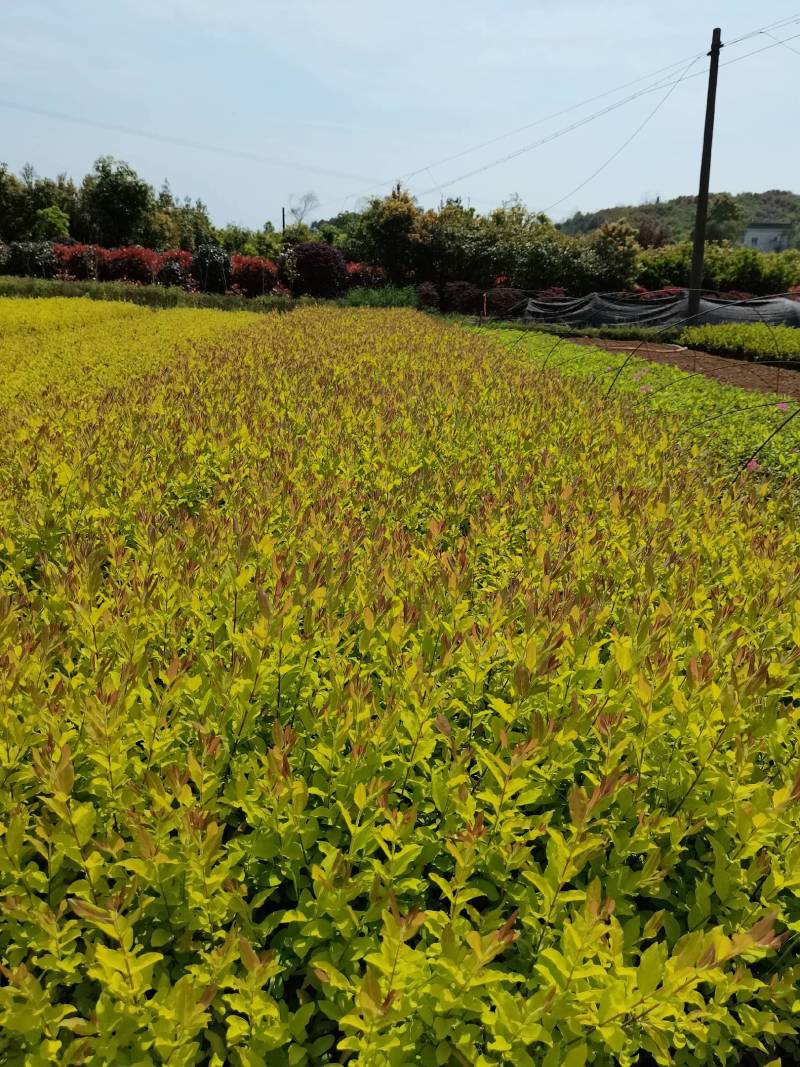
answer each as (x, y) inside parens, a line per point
(731, 371)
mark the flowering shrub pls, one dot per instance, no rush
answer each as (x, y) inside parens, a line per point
(253, 275)
(34, 259)
(365, 276)
(212, 268)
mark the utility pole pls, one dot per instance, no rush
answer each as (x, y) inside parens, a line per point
(283, 220)
(701, 215)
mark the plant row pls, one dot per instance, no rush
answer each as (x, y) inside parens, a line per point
(756, 340)
(372, 696)
(313, 268)
(733, 422)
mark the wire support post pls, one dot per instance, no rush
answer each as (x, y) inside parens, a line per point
(701, 216)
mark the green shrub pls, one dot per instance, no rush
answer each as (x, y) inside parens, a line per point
(726, 267)
(755, 340)
(157, 296)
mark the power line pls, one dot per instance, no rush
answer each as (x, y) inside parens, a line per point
(590, 118)
(787, 20)
(181, 142)
(625, 144)
(785, 45)
(664, 71)
(599, 96)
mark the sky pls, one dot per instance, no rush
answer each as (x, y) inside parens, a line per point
(344, 97)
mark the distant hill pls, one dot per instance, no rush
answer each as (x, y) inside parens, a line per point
(677, 216)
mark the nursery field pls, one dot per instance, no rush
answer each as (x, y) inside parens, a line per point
(729, 422)
(754, 340)
(73, 347)
(372, 694)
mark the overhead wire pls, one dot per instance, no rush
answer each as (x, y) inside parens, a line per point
(439, 187)
(555, 135)
(785, 45)
(660, 83)
(181, 142)
(625, 143)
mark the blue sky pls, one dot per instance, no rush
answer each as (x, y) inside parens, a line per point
(371, 91)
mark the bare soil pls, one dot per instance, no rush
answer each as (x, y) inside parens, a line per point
(731, 371)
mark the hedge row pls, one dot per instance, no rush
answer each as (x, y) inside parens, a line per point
(313, 268)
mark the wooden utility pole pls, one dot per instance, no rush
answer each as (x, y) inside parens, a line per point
(283, 220)
(701, 215)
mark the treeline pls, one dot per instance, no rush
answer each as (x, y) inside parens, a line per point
(114, 207)
(661, 222)
(113, 226)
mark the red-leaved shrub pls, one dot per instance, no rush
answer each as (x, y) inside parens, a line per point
(365, 276)
(79, 261)
(175, 268)
(463, 297)
(654, 294)
(315, 268)
(504, 301)
(130, 264)
(253, 275)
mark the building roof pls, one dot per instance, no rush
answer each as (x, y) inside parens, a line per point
(769, 226)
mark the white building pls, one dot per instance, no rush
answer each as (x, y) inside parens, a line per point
(767, 236)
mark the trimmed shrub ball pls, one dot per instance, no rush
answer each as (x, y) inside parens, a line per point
(316, 269)
(463, 297)
(254, 275)
(505, 301)
(428, 295)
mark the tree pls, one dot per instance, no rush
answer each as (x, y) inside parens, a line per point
(726, 218)
(116, 205)
(234, 238)
(615, 246)
(12, 207)
(651, 233)
(384, 235)
(300, 207)
(51, 222)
